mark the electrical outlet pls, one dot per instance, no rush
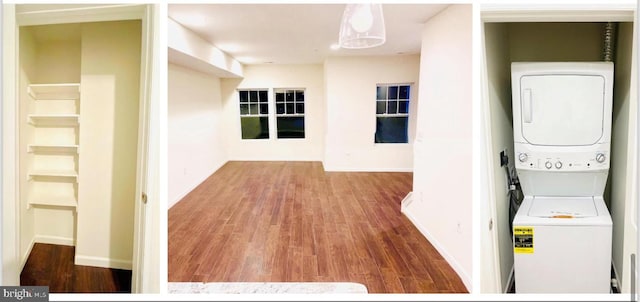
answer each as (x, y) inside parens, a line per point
(504, 159)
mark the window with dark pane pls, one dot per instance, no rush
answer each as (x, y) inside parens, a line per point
(254, 113)
(393, 93)
(290, 113)
(255, 127)
(391, 129)
(290, 126)
(392, 113)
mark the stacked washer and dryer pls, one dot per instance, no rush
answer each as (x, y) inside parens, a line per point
(562, 231)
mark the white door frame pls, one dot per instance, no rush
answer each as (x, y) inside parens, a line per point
(596, 11)
(10, 217)
(75, 14)
(490, 277)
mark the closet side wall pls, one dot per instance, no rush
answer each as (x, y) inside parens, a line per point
(499, 81)
(27, 72)
(623, 131)
(110, 76)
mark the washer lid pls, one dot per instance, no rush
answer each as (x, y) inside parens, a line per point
(563, 207)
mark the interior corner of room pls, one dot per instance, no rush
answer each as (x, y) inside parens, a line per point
(208, 71)
(571, 34)
(75, 145)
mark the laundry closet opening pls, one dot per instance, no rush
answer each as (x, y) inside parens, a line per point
(507, 42)
(79, 100)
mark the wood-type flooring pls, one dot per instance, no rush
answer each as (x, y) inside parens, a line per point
(294, 222)
(53, 265)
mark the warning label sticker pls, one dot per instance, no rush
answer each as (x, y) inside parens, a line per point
(523, 240)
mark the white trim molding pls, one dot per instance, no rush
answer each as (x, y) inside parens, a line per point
(54, 240)
(406, 202)
(585, 11)
(464, 275)
(103, 262)
(91, 13)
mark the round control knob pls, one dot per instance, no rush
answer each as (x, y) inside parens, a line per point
(600, 157)
(548, 165)
(522, 157)
(558, 165)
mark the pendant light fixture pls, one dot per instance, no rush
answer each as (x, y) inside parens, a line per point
(362, 26)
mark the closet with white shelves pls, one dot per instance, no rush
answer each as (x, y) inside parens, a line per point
(53, 114)
(77, 122)
(76, 138)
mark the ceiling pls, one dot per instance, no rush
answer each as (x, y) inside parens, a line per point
(296, 33)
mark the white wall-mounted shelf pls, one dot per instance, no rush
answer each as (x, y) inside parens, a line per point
(54, 108)
(54, 173)
(62, 91)
(67, 149)
(53, 202)
(54, 119)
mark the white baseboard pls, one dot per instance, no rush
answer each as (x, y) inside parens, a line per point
(406, 202)
(195, 184)
(464, 276)
(55, 240)
(329, 168)
(25, 256)
(102, 262)
(275, 158)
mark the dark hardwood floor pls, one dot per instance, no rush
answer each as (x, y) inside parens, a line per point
(293, 222)
(52, 265)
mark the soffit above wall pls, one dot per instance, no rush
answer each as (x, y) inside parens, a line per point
(296, 33)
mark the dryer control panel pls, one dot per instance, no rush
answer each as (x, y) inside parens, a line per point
(565, 162)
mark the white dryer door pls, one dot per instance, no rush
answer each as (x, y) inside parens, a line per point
(562, 110)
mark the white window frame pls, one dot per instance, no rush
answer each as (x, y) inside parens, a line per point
(295, 109)
(396, 114)
(248, 103)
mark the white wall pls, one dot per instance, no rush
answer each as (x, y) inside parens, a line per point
(196, 146)
(27, 70)
(109, 97)
(309, 77)
(441, 207)
(58, 61)
(351, 112)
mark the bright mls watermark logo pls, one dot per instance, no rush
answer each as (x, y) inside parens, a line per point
(24, 293)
